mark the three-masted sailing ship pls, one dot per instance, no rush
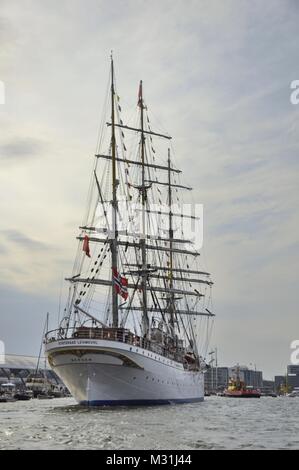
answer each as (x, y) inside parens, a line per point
(137, 320)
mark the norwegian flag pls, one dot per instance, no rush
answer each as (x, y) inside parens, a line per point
(120, 284)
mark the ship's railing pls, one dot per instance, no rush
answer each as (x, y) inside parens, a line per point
(114, 334)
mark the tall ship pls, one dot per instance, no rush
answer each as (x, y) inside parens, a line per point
(138, 316)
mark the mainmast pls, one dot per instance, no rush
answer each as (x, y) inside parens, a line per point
(143, 199)
(113, 241)
(171, 297)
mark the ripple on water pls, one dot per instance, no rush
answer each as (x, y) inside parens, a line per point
(217, 423)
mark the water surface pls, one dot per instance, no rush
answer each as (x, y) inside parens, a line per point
(217, 423)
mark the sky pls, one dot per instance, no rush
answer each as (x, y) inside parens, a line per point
(217, 76)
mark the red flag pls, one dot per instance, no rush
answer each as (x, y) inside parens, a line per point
(120, 284)
(86, 246)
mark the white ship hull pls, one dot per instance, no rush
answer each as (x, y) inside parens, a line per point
(101, 372)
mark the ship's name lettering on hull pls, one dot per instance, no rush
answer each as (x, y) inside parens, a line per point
(79, 343)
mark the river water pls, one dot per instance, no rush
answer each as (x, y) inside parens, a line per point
(217, 423)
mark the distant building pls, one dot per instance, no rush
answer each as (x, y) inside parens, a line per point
(252, 378)
(268, 386)
(16, 369)
(293, 376)
(216, 379)
(279, 382)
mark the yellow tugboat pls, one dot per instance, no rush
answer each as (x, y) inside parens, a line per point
(237, 388)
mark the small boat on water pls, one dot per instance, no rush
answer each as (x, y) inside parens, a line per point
(23, 395)
(44, 397)
(39, 385)
(238, 389)
(7, 391)
(269, 394)
(242, 392)
(6, 398)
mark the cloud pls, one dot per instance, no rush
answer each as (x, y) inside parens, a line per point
(7, 34)
(18, 149)
(23, 316)
(2, 250)
(24, 241)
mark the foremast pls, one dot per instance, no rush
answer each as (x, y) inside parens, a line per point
(171, 305)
